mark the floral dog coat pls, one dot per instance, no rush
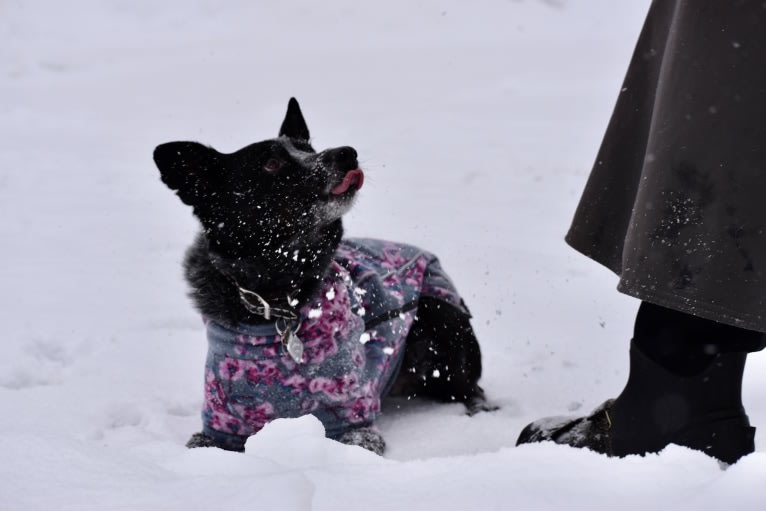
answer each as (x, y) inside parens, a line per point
(353, 334)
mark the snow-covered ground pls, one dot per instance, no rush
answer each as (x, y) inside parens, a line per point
(476, 122)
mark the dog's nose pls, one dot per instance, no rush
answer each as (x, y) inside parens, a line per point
(347, 152)
(345, 156)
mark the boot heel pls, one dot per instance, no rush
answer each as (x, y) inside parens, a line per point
(725, 439)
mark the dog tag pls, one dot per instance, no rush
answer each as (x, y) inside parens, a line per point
(293, 344)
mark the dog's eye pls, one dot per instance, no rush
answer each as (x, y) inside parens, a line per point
(273, 165)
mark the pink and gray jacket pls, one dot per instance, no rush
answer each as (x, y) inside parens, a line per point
(353, 334)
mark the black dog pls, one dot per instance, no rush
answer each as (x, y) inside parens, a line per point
(299, 320)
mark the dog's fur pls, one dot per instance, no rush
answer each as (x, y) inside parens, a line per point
(266, 202)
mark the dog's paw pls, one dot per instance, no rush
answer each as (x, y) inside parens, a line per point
(367, 438)
(479, 404)
(203, 440)
(200, 440)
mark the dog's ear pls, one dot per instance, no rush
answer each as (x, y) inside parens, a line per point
(188, 168)
(294, 126)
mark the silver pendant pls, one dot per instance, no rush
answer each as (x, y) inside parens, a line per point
(293, 344)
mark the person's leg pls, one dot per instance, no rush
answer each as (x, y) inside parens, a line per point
(684, 388)
(686, 344)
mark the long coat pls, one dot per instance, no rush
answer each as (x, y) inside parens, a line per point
(676, 201)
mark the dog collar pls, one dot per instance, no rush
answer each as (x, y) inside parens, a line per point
(287, 320)
(262, 308)
(255, 303)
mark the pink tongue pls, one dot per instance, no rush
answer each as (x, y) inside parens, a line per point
(353, 178)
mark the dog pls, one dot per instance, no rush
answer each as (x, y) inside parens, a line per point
(299, 320)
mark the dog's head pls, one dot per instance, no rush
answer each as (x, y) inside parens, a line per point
(269, 192)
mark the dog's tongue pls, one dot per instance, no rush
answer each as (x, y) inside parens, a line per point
(352, 178)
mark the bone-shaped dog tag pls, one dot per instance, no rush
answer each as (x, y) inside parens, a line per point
(293, 344)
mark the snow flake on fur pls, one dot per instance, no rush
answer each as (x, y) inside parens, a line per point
(353, 334)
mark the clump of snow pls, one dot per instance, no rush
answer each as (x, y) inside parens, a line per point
(476, 124)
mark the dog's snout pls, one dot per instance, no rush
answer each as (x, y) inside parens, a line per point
(344, 157)
(347, 152)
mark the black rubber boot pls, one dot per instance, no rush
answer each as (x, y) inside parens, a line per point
(657, 408)
(693, 401)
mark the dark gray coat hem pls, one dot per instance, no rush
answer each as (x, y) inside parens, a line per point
(713, 312)
(591, 252)
(675, 301)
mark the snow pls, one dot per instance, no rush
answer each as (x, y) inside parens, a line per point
(476, 123)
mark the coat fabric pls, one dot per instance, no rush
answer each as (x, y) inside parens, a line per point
(353, 334)
(676, 202)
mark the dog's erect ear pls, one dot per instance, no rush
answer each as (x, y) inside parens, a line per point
(188, 168)
(294, 126)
